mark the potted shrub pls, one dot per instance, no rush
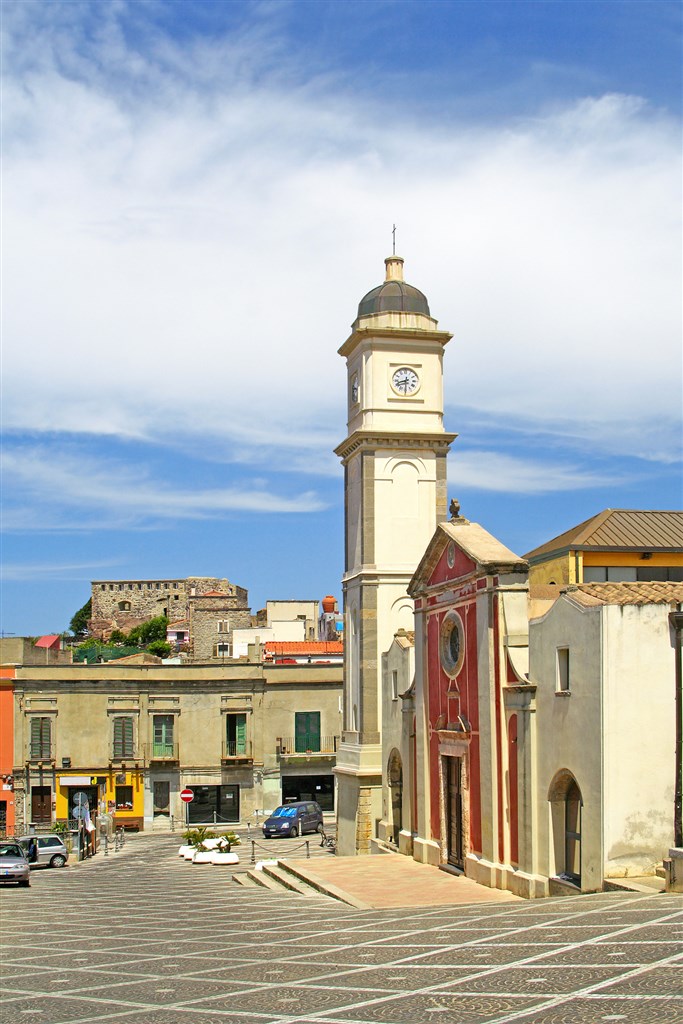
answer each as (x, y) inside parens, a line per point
(222, 851)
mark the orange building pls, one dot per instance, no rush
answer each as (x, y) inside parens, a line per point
(7, 749)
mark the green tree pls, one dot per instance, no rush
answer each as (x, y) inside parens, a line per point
(79, 623)
(160, 647)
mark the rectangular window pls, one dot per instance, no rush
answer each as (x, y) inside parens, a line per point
(236, 734)
(224, 650)
(124, 798)
(306, 731)
(394, 685)
(162, 728)
(562, 684)
(123, 737)
(41, 739)
(223, 626)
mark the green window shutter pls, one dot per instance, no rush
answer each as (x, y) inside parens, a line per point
(241, 733)
(40, 738)
(163, 735)
(123, 737)
(306, 731)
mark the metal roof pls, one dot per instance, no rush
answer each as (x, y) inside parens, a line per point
(394, 296)
(619, 529)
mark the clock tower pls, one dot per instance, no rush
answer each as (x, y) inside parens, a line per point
(394, 459)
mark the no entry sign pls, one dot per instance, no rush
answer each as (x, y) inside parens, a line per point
(187, 796)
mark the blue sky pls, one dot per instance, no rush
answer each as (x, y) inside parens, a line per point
(196, 197)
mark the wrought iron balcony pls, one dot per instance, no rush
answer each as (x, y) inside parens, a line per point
(312, 746)
(237, 750)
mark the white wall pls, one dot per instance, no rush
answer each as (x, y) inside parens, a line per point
(639, 738)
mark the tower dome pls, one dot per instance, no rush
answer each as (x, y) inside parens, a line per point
(394, 295)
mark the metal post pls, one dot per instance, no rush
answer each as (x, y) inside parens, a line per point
(308, 849)
(253, 852)
(676, 620)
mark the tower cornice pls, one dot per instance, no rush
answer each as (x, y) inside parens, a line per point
(392, 335)
(374, 440)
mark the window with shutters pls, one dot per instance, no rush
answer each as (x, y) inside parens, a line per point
(306, 731)
(124, 745)
(236, 734)
(41, 739)
(162, 733)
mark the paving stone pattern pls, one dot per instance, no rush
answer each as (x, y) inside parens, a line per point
(142, 937)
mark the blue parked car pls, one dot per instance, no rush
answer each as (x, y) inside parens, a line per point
(294, 819)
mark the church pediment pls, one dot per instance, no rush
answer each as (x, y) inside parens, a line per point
(460, 549)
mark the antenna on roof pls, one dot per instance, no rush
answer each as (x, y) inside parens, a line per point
(393, 234)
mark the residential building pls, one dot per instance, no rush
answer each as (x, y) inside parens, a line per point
(128, 738)
(290, 620)
(614, 546)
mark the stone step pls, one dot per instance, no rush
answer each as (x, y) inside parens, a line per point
(263, 881)
(243, 878)
(279, 873)
(308, 877)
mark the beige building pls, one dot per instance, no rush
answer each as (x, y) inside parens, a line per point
(128, 738)
(602, 660)
(293, 621)
(394, 459)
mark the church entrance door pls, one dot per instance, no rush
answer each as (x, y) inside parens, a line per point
(454, 811)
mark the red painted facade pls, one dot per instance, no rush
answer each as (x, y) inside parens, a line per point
(487, 744)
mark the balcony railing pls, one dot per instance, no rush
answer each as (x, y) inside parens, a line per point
(293, 746)
(234, 750)
(162, 752)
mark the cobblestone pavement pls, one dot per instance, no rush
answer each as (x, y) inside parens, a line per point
(142, 937)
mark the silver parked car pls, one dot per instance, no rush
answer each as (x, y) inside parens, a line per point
(50, 851)
(13, 864)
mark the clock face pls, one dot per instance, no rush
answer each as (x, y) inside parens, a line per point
(405, 381)
(354, 388)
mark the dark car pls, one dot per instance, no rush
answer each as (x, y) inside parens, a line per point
(294, 819)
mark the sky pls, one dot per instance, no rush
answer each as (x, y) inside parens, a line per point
(196, 196)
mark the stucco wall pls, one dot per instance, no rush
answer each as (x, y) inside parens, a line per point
(639, 738)
(569, 733)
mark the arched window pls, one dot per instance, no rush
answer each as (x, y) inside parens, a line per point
(124, 606)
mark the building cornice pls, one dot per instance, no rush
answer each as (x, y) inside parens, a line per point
(374, 440)
(392, 335)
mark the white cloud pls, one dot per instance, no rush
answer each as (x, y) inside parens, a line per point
(108, 495)
(492, 471)
(187, 233)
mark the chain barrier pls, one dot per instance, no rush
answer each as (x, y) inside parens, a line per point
(254, 844)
